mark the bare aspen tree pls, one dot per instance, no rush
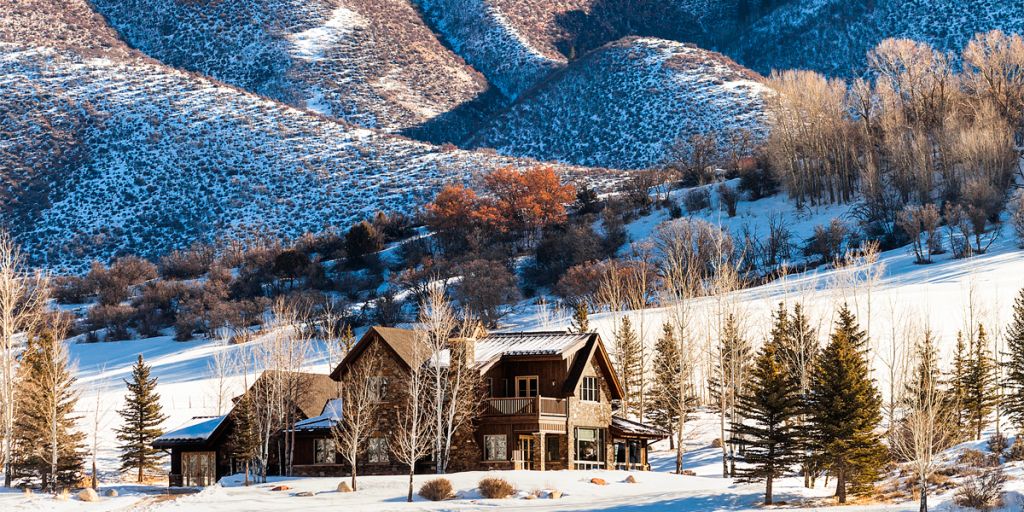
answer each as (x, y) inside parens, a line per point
(223, 365)
(413, 438)
(638, 299)
(361, 395)
(99, 422)
(896, 360)
(454, 387)
(22, 300)
(680, 280)
(924, 430)
(994, 70)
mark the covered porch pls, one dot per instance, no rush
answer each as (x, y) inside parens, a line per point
(631, 441)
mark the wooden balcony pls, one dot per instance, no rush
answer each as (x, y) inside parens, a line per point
(535, 407)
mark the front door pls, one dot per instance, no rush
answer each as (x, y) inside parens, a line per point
(526, 447)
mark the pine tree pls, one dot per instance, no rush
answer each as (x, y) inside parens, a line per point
(1015, 364)
(980, 382)
(245, 435)
(627, 358)
(49, 447)
(926, 373)
(846, 409)
(580, 323)
(142, 418)
(731, 367)
(665, 402)
(769, 434)
(956, 396)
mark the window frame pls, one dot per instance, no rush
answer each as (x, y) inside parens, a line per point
(377, 451)
(590, 393)
(322, 447)
(379, 387)
(528, 379)
(487, 447)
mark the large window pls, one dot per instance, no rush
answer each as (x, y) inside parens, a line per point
(496, 447)
(553, 450)
(379, 388)
(377, 451)
(589, 444)
(323, 451)
(526, 387)
(198, 469)
(634, 452)
(590, 391)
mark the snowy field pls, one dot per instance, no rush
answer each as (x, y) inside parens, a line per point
(894, 306)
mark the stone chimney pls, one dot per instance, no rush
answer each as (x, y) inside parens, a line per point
(463, 351)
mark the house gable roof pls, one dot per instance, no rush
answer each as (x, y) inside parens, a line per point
(197, 432)
(593, 349)
(314, 390)
(399, 341)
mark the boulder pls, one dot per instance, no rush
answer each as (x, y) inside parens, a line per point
(598, 481)
(110, 493)
(280, 488)
(343, 487)
(88, 494)
(554, 495)
(304, 493)
(687, 472)
(630, 479)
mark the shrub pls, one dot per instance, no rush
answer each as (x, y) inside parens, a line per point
(998, 444)
(1017, 217)
(729, 197)
(495, 488)
(756, 181)
(437, 489)
(188, 264)
(827, 241)
(1017, 449)
(115, 319)
(977, 459)
(981, 491)
(361, 241)
(485, 287)
(70, 289)
(697, 199)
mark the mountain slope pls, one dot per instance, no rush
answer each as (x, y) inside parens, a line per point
(626, 104)
(833, 36)
(516, 43)
(113, 152)
(370, 62)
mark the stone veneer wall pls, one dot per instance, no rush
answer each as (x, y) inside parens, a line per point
(589, 414)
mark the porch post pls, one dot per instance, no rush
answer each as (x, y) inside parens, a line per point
(541, 448)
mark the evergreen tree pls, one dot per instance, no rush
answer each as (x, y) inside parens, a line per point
(665, 401)
(926, 373)
(580, 323)
(49, 448)
(1015, 364)
(769, 434)
(627, 358)
(846, 409)
(142, 418)
(245, 435)
(980, 395)
(731, 367)
(956, 397)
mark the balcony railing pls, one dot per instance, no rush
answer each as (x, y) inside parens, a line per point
(532, 406)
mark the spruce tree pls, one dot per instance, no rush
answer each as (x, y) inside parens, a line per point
(627, 358)
(769, 433)
(49, 448)
(731, 367)
(1015, 364)
(956, 400)
(580, 323)
(245, 436)
(664, 407)
(142, 418)
(980, 384)
(846, 409)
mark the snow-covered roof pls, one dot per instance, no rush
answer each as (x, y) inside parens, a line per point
(496, 345)
(627, 427)
(199, 428)
(330, 417)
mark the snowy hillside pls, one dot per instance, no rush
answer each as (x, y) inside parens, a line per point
(516, 43)
(626, 104)
(372, 63)
(833, 36)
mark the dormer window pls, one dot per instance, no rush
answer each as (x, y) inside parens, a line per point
(590, 392)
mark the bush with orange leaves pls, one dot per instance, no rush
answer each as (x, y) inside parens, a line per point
(517, 205)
